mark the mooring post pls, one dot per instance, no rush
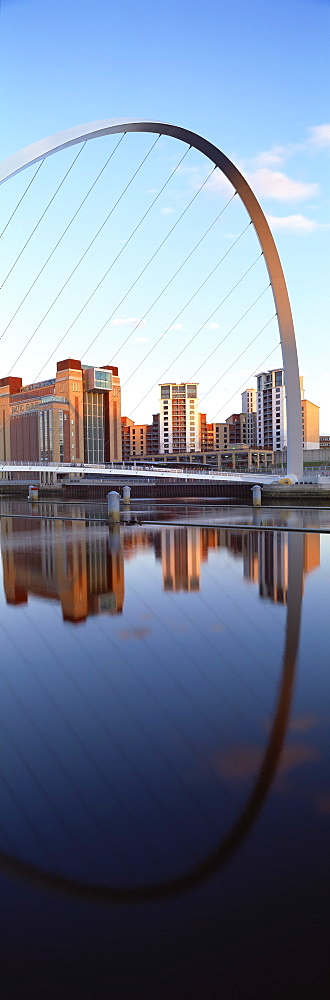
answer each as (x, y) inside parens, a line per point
(256, 496)
(113, 508)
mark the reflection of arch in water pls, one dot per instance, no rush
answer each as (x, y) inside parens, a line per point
(229, 844)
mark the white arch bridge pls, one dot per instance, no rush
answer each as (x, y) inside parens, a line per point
(79, 134)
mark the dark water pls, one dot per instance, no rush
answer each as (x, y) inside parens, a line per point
(165, 719)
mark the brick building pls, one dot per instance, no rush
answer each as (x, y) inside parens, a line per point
(73, 417)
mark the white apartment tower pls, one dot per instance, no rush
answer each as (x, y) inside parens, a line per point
(271, 410)
(178, 418)
(271, 413)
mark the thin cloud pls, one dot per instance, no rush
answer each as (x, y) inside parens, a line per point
(294, 224)
(176, 326)
(277, 155)
(140, 340)
(320, 136)
(127, 321)
(275, 184)
(218, 184)
(214, 326)
(274, 157)
(167, 210)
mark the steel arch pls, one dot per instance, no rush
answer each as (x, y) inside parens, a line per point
(81, 133)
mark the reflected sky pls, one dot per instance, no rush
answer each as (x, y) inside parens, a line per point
(164, 707)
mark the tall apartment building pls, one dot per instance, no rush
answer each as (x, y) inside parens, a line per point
(178, 418)
(73, 417)
(271, 413)
(271, 410)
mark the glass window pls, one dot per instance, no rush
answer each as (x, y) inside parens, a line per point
(102, 379)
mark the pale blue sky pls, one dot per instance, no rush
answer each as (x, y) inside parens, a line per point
(254, 79)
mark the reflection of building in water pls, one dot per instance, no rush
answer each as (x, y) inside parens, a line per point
(139, 539)
(83, 567)
(64, 562)
(265, 557)
(273, 565)
(273, 562)
(181, 558)
(311, 552)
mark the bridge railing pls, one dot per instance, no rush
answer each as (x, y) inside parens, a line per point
(136, 468)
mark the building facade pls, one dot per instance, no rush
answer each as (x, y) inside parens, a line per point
(249, 406)
(271, 410)
(73, 417)
(310, 425)
(178, 418)
(139, 440)
(271, 413)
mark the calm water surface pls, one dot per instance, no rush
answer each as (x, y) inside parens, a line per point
(165, 717)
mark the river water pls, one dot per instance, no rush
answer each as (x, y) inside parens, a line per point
(165, 721)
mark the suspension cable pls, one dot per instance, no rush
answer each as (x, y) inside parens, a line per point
(163, 290)
(170, 281)
(38, 224)
(225, 373)
(143, 271)
(190, 300)
(204, 324)
(22, 198)
(82, 257)
(229, 332)
(86, 303)
(239, 356)
(252, 375)
(183, 349)
(73, 217)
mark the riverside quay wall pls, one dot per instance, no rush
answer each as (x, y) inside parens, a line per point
(273, 495)
(140, 490)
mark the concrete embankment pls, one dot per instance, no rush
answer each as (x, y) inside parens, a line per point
(307, 495)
